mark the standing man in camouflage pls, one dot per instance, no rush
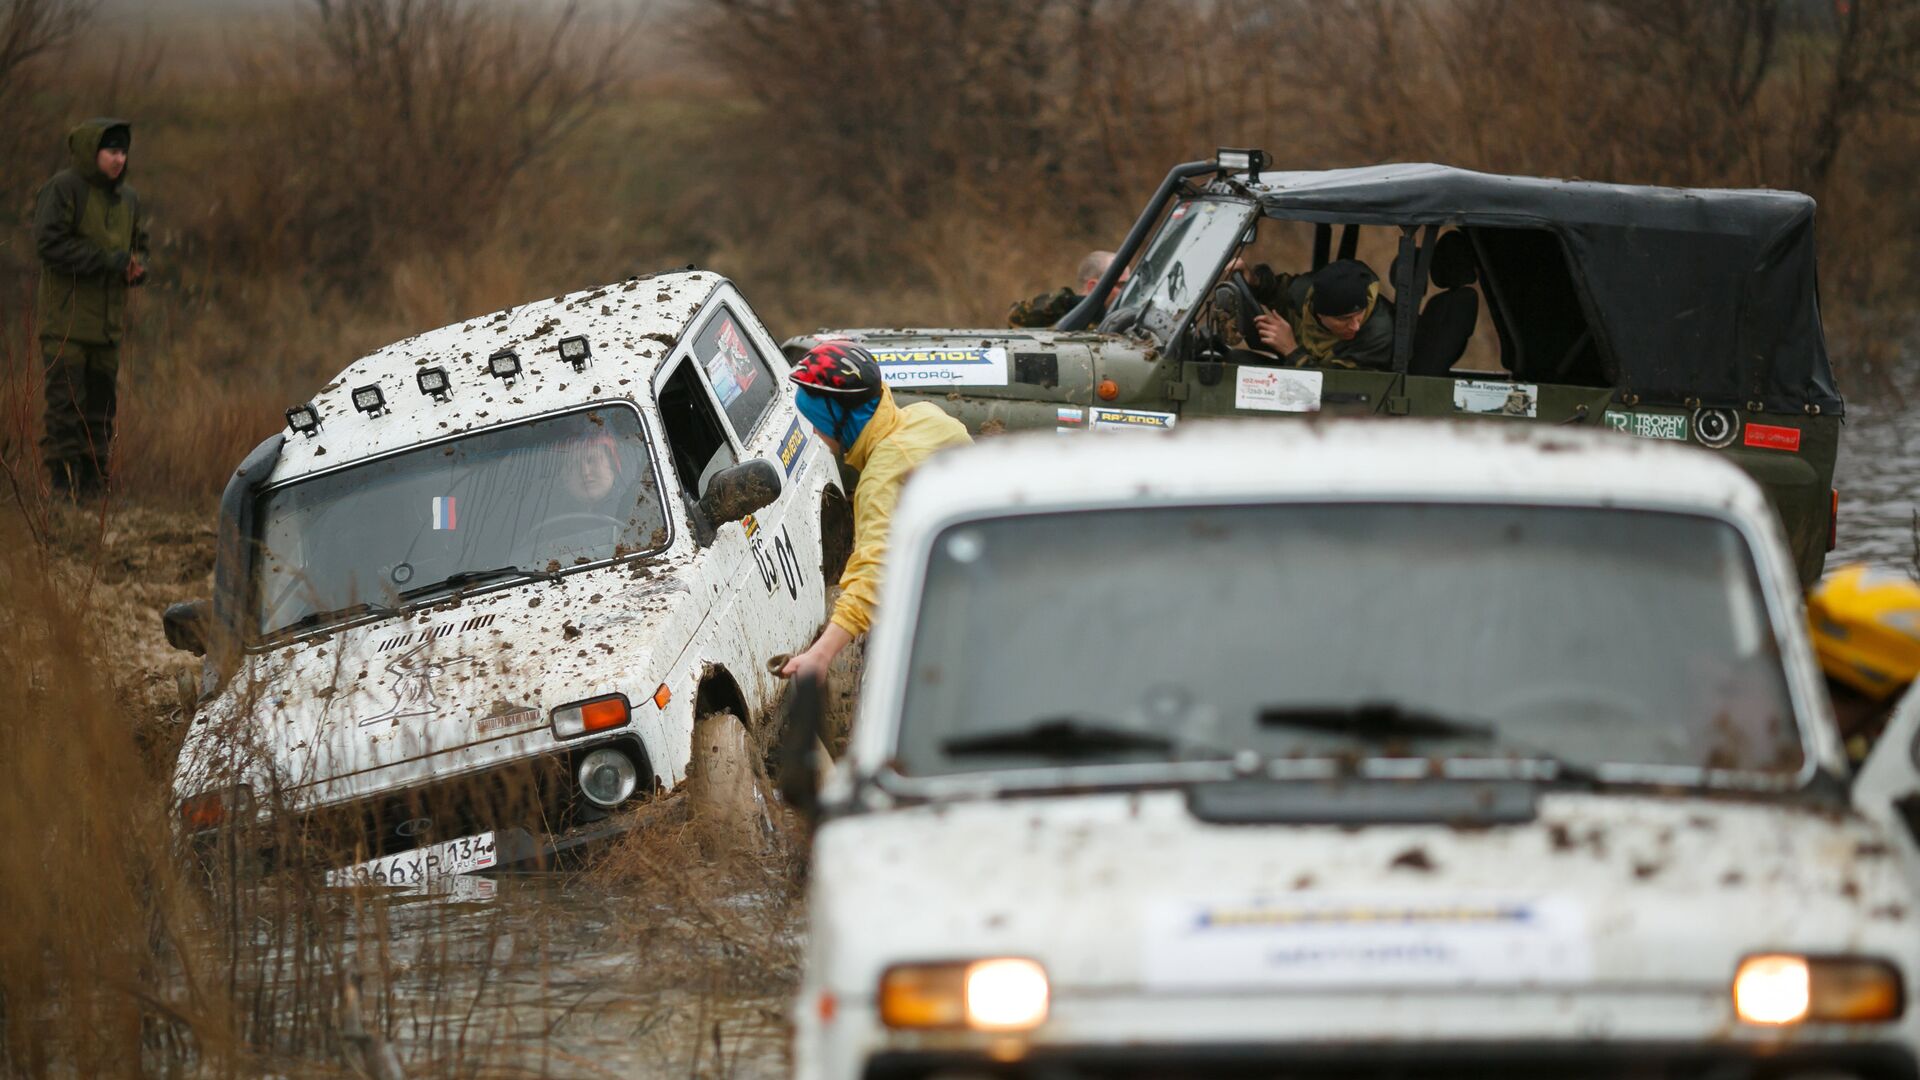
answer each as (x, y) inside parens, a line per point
(92, 242)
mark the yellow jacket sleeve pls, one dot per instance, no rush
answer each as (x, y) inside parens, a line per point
(873, 501)
(886, 454)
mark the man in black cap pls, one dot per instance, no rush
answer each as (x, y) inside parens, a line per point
(92, 240)
(1332, 317)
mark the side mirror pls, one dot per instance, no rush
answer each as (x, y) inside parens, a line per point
(739, 490)
(795, 756)
(186, 624)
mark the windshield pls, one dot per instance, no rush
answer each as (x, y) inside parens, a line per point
(545, 495)
(1586, 637)
(1179, 267)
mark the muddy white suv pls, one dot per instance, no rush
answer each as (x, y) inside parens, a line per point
(477, 594)
(1379, 749)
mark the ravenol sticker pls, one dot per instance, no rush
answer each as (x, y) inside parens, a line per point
(1277, 390)
(943, 367)
(1099, 419)
(1649, 425)
(1493, 398)
(445, 516)
(791, 444)
(1770, 437)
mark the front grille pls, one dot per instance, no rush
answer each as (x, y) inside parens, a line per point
(1598, 1061)
(537, 794)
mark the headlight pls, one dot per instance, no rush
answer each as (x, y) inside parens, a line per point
(1783, 988)
(607, 777)
(1002, 994)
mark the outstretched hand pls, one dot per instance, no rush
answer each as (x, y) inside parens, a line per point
(818, 656)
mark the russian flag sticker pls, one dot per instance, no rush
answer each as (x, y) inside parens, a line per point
(443, 512)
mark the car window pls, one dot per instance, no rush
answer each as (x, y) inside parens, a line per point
(736, 371)
(548, 494)
(1199, 620)
(699, 442)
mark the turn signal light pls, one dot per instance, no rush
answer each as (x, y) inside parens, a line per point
(212, 809)
(662, 696)
(594, 714)
(1007, 994)
(1779, 989)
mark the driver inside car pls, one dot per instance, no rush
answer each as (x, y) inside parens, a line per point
(1330, 317)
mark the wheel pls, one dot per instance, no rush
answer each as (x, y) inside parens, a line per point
(723, 787)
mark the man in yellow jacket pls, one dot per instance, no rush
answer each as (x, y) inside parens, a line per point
(843, 397)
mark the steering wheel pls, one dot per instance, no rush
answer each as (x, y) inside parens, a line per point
(1245, 310)
(579, 521)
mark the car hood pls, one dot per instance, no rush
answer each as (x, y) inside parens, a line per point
(1133, 893)
(446, 688)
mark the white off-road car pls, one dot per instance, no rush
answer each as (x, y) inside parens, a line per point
(477, 595)
(1383, 750)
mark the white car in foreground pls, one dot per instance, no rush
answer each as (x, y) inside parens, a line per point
(1406, 750)
(476, 596)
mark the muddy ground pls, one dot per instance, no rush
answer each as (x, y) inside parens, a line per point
(655, 957)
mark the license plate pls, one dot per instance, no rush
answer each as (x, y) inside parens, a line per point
(421, 865)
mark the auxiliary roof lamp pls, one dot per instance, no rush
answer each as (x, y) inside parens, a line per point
(304, 420)
(575, 351)
(504, 364)
(1233, 160)
(434, 383)
(368, 399)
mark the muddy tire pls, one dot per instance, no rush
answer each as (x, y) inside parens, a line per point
(724, 792)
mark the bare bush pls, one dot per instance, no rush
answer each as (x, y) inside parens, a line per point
(397, 126)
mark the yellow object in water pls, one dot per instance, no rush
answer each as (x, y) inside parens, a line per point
(1866, 628)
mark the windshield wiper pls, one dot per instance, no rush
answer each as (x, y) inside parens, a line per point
(1063, 736)
(1374, 720)
(463, 578)
(1386, 720)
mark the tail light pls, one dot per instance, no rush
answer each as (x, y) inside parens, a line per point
(1833, 522)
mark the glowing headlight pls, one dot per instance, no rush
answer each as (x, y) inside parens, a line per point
(1004, 994)
(1781, 988)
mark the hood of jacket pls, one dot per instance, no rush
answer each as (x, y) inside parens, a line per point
(83, 146)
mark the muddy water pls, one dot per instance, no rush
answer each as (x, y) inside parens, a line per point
(1879, 469)
(543, 975)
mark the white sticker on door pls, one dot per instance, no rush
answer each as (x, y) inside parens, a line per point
(1277, 390)
(1496, 398)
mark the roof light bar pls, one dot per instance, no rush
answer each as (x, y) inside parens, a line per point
(368, 399)
(1234, 160)
(434, 383)
(303, 420)
(576, 351)
(504, 364)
